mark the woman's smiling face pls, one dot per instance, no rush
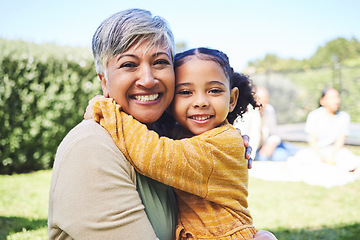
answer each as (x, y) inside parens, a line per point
(141, 80)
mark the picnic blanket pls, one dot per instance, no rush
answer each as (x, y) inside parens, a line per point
(293, 171)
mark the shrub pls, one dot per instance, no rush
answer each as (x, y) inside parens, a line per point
(44, 92)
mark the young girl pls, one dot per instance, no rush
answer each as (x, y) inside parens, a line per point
(207, 169)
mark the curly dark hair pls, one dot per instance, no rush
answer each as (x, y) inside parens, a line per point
(246, 95)
(241, 81)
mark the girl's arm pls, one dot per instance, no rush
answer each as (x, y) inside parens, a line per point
(246, 139)
(184, 164)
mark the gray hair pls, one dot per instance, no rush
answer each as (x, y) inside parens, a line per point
(122, 30)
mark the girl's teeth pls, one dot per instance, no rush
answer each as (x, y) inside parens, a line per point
(145, 98)
(202, 118)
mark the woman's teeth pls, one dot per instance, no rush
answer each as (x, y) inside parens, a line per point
(146, 98)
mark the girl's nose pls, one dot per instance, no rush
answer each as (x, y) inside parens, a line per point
(201, 102)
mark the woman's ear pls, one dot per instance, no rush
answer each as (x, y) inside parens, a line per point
(234, 95)
(104, 85)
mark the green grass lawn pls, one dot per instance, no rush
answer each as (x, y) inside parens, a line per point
(297, 211)
(289, 210)
(24, 205)
(301, 211)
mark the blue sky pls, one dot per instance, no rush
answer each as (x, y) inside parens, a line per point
(243, 29)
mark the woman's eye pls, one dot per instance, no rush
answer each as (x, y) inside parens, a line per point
(162, 62)
(128, 65)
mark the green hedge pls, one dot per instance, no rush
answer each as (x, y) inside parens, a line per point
(44, 91)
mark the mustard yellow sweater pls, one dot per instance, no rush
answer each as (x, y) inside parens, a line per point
(208, 171)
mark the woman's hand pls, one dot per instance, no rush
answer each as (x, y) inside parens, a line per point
(88, 112)
(248, 149)
(264, 235)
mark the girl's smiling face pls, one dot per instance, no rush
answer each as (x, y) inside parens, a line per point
(202, 95)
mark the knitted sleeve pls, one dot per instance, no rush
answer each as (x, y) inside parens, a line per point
(184, 164)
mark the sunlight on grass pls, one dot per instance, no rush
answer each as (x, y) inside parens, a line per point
(284, 207)
(290, 210)
(38, 234)
(24, 205)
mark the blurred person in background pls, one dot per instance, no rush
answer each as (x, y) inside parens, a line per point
(260, 125)
(250, 124)
(327, 128)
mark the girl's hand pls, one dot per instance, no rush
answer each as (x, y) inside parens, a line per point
(88, 112)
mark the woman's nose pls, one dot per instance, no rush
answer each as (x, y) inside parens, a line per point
(146, 78)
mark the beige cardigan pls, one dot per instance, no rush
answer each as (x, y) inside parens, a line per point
(93, 191)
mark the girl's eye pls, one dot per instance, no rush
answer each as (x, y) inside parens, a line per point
(216, 90)
(184, 92)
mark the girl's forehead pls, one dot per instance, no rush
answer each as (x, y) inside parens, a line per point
(195, 63)
(200, 71)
